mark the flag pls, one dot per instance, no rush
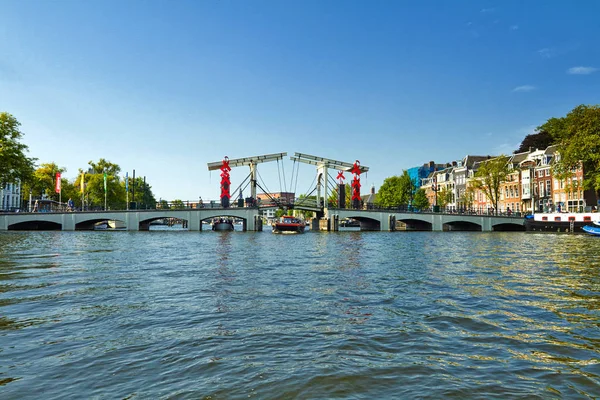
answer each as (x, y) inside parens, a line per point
(105, 182)
(127, 182)
(82, 182)
(58, 182)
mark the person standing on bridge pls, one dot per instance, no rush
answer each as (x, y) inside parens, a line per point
(70, 205)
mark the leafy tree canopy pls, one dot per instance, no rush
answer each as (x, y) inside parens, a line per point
(396, 191)
(578, 138)
(539, 140)
(420, 200)
(44, 180)
(490, 176)
(14, 164)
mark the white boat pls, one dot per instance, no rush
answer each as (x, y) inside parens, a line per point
(116, 224)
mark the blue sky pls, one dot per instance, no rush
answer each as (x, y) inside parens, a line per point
(164, 87)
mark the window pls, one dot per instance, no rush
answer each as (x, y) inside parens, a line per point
(547, 172)
(557, 218)
(587, 218)
(548, 187)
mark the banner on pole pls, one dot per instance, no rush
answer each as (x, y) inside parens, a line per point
(82, 182)
(58, 182)
(127, 182)
(105, 182)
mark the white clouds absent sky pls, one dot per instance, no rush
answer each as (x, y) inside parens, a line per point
(581, 70)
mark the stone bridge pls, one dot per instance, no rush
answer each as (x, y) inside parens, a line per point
(133, 220)
(380, 220)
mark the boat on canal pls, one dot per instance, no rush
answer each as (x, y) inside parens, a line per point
(289, 224)
(561, 222)
(222, 224)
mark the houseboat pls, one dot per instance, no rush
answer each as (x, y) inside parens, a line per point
(560, 222)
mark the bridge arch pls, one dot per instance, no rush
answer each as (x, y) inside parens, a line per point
(35, 225)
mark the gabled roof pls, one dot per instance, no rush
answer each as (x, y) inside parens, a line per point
(470, 160)
(519, 157)
(550, 150)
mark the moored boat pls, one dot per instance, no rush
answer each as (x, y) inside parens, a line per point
(116, 224)
(592, 229)
(289, 224)
(560, 222)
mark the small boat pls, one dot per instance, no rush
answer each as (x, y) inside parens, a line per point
(592, 229)
(222, 224)
(289, 224)
(116, 224)
(350, 223)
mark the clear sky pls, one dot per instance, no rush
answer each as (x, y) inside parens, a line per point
(165, 87)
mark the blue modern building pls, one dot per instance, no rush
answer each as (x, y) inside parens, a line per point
(417, 174)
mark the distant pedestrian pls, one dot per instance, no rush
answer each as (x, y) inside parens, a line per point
(70, 205)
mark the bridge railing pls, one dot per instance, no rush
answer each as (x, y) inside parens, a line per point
(436, 210)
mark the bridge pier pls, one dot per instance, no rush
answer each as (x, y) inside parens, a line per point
(194, 223)
(68, 222)
(437, 225)
(132, 221)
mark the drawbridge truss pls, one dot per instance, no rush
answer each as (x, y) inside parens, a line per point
(246, 161)
(323, 164)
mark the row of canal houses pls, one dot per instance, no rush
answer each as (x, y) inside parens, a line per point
(529, 187)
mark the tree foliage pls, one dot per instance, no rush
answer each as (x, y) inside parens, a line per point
(396, 191)
(420, 200)
(332, 201)
(490, 176)
(44, 180)
(14, 164)
(444, 197)
(539, 140)
(578, 138)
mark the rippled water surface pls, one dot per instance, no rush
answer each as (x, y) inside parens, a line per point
(225, 315)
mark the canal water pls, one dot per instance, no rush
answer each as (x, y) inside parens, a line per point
(361, 315)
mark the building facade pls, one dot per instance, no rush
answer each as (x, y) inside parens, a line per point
(10, 197)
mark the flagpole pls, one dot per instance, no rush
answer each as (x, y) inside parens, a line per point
(127, 189)
(82, 190)
(105, 191)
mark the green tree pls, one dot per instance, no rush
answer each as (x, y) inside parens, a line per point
(43, 181)
(444, 197)
(539, 140)
(177, 204)
(420, 200)
(396, 191)
(94, 185)
(333, 197)
(578, 138)
(307, 214)
(14, 164)
(70, 191)
(490, 176)
(468, 197)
